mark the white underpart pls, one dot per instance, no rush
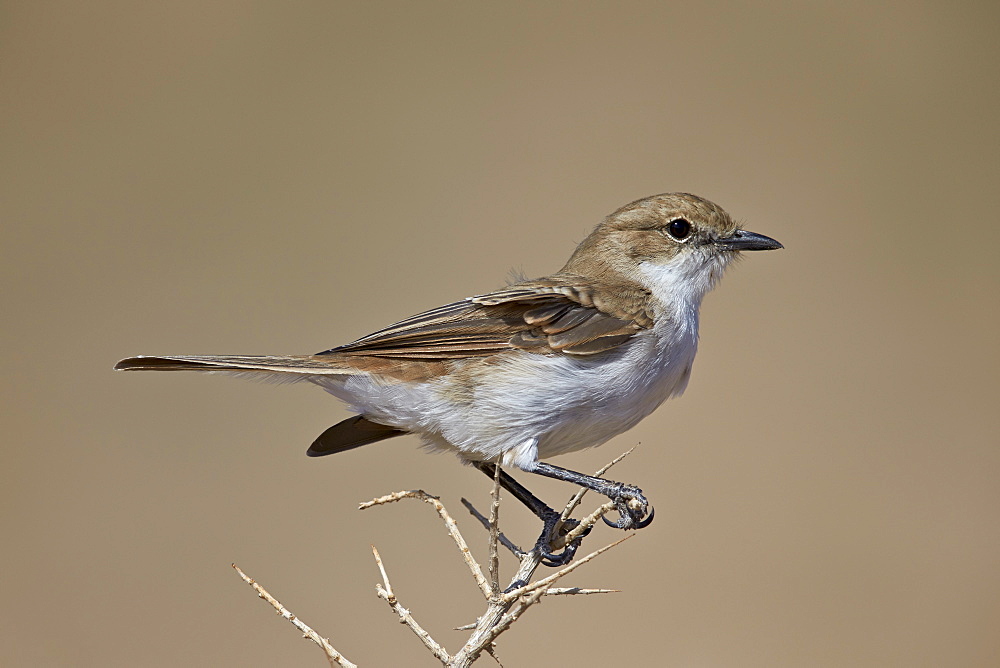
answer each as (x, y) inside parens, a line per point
(530, 406)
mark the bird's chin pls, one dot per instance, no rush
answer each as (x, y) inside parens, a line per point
(685, 278)
(715, 266)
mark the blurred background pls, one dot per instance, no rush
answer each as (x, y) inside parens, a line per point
(254, 177)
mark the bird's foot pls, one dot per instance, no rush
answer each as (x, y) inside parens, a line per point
(554, 529)
(631, 506)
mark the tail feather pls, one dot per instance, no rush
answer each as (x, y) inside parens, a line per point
(306, 365)
(349, 434)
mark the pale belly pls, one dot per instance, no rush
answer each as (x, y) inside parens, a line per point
(524, 407)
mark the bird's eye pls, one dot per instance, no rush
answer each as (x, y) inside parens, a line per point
(679, 229)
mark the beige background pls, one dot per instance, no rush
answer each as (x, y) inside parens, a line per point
(280, 177)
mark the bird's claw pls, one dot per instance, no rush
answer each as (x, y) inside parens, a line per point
(631, 506)
(642, 524)
(555, 560)
(550, 533)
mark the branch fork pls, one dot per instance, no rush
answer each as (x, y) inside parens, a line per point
(504, 606)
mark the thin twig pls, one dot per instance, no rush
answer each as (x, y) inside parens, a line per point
(577, 591)
(607, 467)
(491, 649)
(456, 535)
(333, 656)
(506, 542)
(405, 617)
(495, 534)
(587, 522)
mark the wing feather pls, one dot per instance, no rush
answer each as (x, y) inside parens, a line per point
(547, 316)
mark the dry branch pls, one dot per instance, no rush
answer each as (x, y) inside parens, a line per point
(333, 656)
(504, 607)
(506, 542)
(463, 547)
(405, 617)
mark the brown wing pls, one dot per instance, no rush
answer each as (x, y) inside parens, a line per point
(547, 316)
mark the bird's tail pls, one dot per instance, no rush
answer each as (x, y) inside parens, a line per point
(351, 433)
(291, 365)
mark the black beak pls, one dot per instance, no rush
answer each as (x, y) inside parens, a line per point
(747, 241)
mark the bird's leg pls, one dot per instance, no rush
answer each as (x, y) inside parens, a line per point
(550, 518)
(629, 500)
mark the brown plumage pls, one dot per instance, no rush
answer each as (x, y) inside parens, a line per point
(558, 315)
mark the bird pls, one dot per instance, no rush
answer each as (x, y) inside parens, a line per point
(537, 368)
